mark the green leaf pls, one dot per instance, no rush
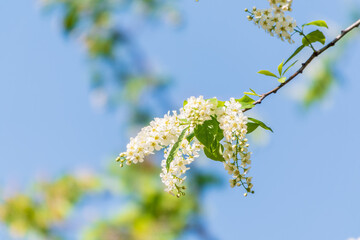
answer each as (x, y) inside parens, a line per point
(220, 103)
(213, 101)
(185, 103)
(267, 73)
(252, 93)
(216, 102)
(290, 66)
(315, 36)
(175, 148)
(71, 19)
(215, 153)
(260, 123)
(209, 132)
(321, 83)
(251, 127)
(282, 80)
(280, 67)
(246, 102)
(295, 53)
(319, 23)
(190, 137)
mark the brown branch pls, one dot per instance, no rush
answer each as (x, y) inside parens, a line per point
(307, 62)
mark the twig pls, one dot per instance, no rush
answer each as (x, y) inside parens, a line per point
(306, 63)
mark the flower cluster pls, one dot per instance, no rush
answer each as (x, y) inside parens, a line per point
(186, 154)
(197, 110)
(236, 155)
(176, 134)
(160, 133)
(273, 19)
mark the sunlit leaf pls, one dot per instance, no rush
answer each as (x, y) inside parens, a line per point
(213, 101)
(280, 67)
(282, 79)
(319, 23)
(252, 93)
(267, 73)
(220, 103)
(246, 102)
(315, 36)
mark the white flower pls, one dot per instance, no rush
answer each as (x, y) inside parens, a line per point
(237, 158)
(173, 178)
(197, 110)
(165, 132)
(274, 21)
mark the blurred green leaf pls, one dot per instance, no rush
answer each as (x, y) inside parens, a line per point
(213, 101)
(221, 103)
(71, 19)
(321, 83)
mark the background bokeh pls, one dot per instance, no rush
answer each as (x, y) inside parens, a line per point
(67, 109)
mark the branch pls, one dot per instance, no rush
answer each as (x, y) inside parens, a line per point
(305, 64)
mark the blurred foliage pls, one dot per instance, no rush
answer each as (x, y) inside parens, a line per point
(144, 212)
(151, 213)
(321, 83)
(107, 30)
(50, 205)
(120, 74)
(327, 72)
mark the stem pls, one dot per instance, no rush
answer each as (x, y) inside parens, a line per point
(308, 61)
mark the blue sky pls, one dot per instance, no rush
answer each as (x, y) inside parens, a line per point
(307, 178)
